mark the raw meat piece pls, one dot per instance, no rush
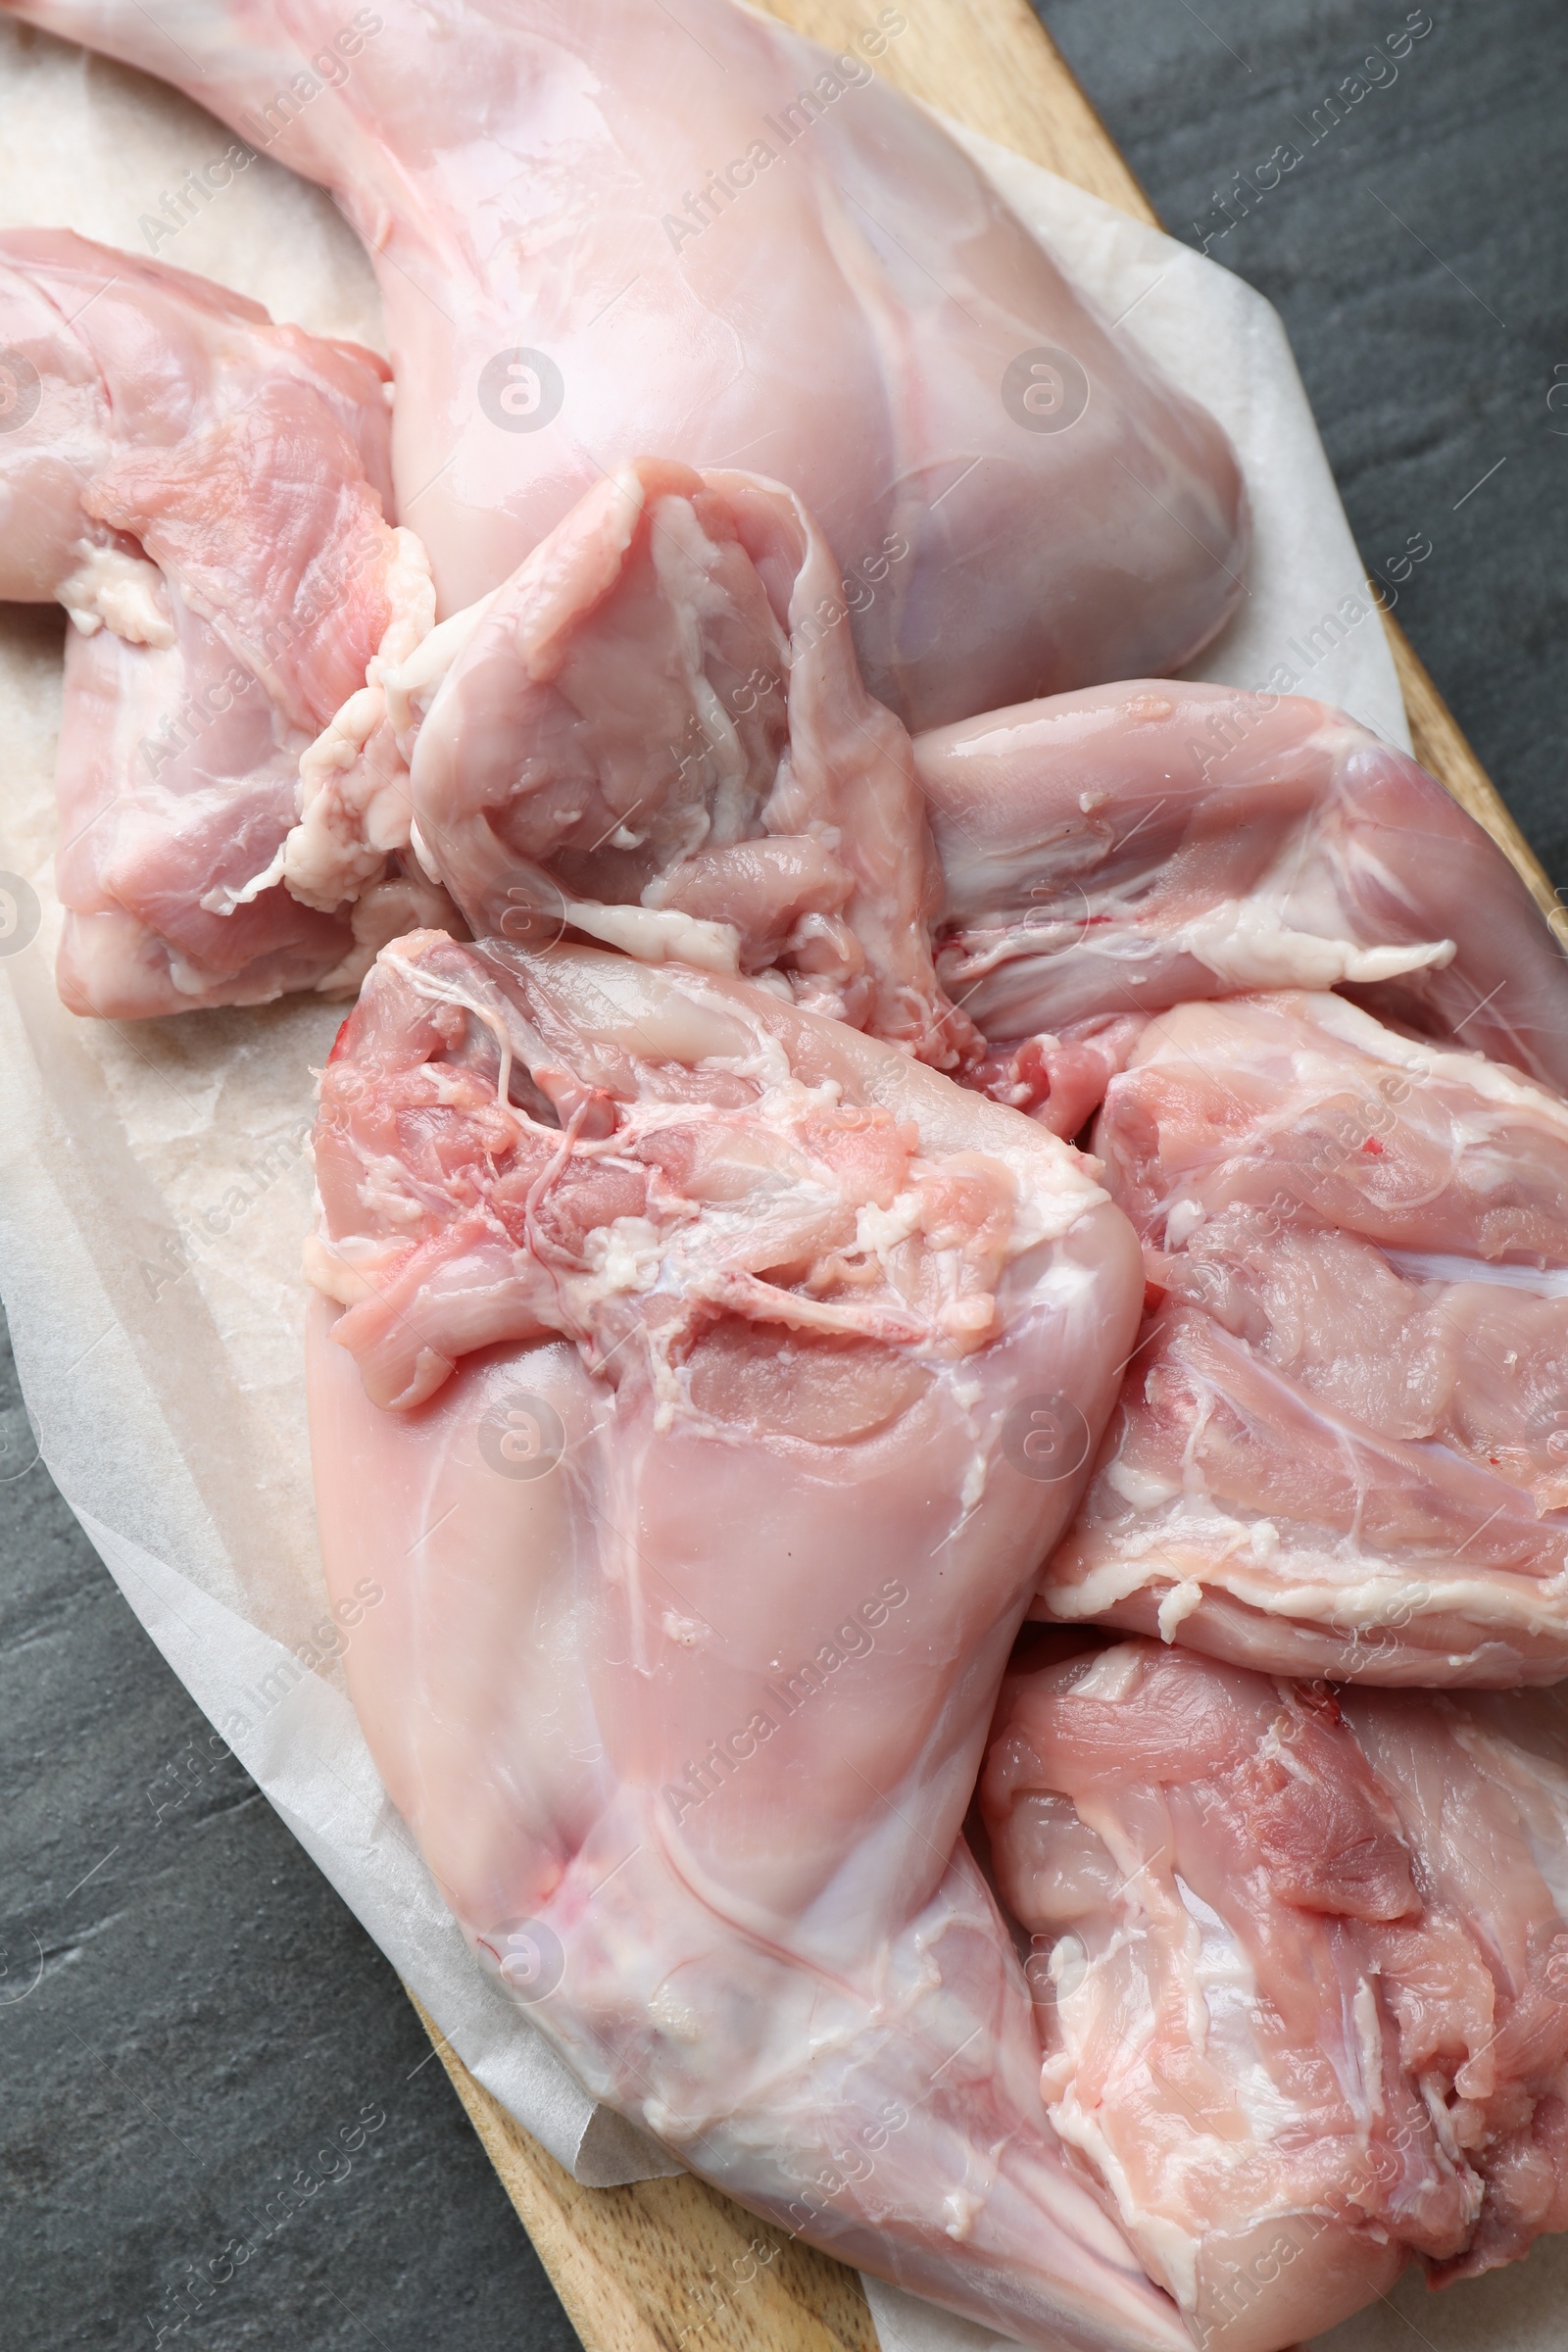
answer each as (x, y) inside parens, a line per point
(1301, 1967)
(1057, 1078)
(1343, 1444)
(1116, 852)
(656, 730)
(680, 1436)
(604, 228)
(202, 491)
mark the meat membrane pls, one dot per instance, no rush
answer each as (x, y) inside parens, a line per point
(205, 495)
(657, 731)
(1341, 1445)
(1109, 854)
(603, 228)
(1300, 1962)
(671, 1386)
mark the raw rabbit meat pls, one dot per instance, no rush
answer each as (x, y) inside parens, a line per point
(1109, 854)
(675, 1398)
(204, 492)
(604, 228)
(1301, 1967)
(1342, 1447)
(657, 731)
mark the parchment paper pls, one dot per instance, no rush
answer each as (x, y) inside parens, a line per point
(154, 1181)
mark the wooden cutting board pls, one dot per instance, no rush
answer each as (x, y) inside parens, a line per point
(672, 2266)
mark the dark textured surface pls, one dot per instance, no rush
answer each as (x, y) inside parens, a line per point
(205, 2064)
(1418, 252)
(209, 2021)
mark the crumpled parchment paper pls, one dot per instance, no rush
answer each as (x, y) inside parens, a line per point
(154, 1178)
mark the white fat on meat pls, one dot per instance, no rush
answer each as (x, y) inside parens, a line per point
(1301, 1972)
(1115, 852)
(1343, 1444)
(678, 1344)
(651, 733)
(205, 495)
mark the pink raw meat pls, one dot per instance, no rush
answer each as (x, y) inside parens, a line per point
(679, 1401)
(1343, 1444)
(1301, 1968)
(605, 228)
(657, 731)
(204, 492)
(1111, 853)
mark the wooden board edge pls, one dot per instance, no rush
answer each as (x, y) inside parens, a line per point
(663, 2266)
(990, 64)
(1444, 749)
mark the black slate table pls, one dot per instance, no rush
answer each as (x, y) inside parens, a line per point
(199, 2046)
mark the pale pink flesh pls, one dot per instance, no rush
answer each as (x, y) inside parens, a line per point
(766, 1959)
(1301, 1974)
(844, 323)
(707, 1698)
(1116, 852)
(661, 710)
(1343, 1444)
(206, 490)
